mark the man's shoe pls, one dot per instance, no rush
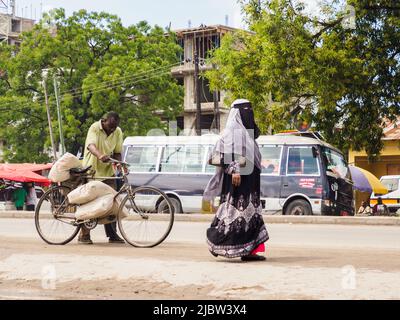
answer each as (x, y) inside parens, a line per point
(253, 257)
(116, 240)
(85, 240)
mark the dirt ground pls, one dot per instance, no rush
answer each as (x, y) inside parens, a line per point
(179, 271)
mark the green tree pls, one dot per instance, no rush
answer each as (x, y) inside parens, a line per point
(100, 65)
(346, 76)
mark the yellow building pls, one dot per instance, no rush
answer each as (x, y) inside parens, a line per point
(388, 162)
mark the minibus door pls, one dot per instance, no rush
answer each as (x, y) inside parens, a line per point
(301, 174)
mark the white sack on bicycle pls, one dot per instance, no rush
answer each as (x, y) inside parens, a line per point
(99, 207)
(89, 192)
(114, 211)
(59, 172)
(117, 202)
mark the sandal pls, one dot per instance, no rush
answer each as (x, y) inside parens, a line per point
(253, 257)
(85, 239)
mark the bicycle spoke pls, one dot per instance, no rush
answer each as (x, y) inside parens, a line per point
(145, 226)
(52, 220)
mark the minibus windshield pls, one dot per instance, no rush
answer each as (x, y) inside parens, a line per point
(335, 162)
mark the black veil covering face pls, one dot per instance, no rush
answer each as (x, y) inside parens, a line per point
(247, 116)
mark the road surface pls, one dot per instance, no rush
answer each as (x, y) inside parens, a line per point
(303, 262)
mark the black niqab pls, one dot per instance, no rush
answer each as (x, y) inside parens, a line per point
(247, 116)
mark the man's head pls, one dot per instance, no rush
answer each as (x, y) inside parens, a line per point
(110, 122)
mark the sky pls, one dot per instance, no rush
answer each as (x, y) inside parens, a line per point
(160, 12)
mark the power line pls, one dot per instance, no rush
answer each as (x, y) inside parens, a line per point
(130, 76)
(130, 83)
(99, 89)
(23, 105)
(138, 76)
(98, 85)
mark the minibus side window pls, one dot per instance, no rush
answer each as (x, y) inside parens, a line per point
(172, 159)
(301, 161)
(193, 161)
(142, 158)
(270, 159)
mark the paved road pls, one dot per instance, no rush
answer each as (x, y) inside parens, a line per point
(303, 262)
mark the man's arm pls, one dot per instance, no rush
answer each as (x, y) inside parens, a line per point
(92, 139)
(96, 152)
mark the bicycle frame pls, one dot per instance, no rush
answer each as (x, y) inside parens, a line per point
(126, 187)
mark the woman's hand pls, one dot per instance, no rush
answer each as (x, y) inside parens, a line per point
(236, 179)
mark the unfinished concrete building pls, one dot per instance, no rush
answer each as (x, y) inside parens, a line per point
(201, 40)
(11, 26)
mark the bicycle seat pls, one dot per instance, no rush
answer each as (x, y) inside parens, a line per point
(79, 170)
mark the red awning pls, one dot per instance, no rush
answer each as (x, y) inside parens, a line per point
(24, 172)
(25, 166)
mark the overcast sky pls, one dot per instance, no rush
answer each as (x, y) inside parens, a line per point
(160, 12)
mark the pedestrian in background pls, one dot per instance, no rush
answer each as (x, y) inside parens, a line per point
(31, 197)
(365, 208)
(238, 228)
(19, 196)
(380, 209)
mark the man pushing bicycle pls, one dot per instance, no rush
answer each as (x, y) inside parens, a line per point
(103, 141)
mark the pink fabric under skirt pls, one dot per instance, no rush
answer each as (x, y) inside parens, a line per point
(260, 248)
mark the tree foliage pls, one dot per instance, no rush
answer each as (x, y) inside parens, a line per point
(100, 66)
(347, 77)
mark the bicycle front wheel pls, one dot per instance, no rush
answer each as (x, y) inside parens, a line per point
(55, 218)
(146, 216)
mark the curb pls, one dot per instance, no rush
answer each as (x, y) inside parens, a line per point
(196, 217)
(370, 221)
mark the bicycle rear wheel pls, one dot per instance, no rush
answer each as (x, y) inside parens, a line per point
(54, 218)
(145, 217)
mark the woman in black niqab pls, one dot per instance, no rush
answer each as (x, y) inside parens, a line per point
(238, 229)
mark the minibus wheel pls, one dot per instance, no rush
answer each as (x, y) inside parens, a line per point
(175, 204)
(298, 207)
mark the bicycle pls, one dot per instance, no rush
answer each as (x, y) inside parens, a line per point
(145, 214)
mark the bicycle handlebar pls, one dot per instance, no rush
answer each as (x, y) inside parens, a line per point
(118, 162)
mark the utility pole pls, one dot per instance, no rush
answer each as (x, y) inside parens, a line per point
(60, 127)
(49, 119)
(198, 102)
(216, 108)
